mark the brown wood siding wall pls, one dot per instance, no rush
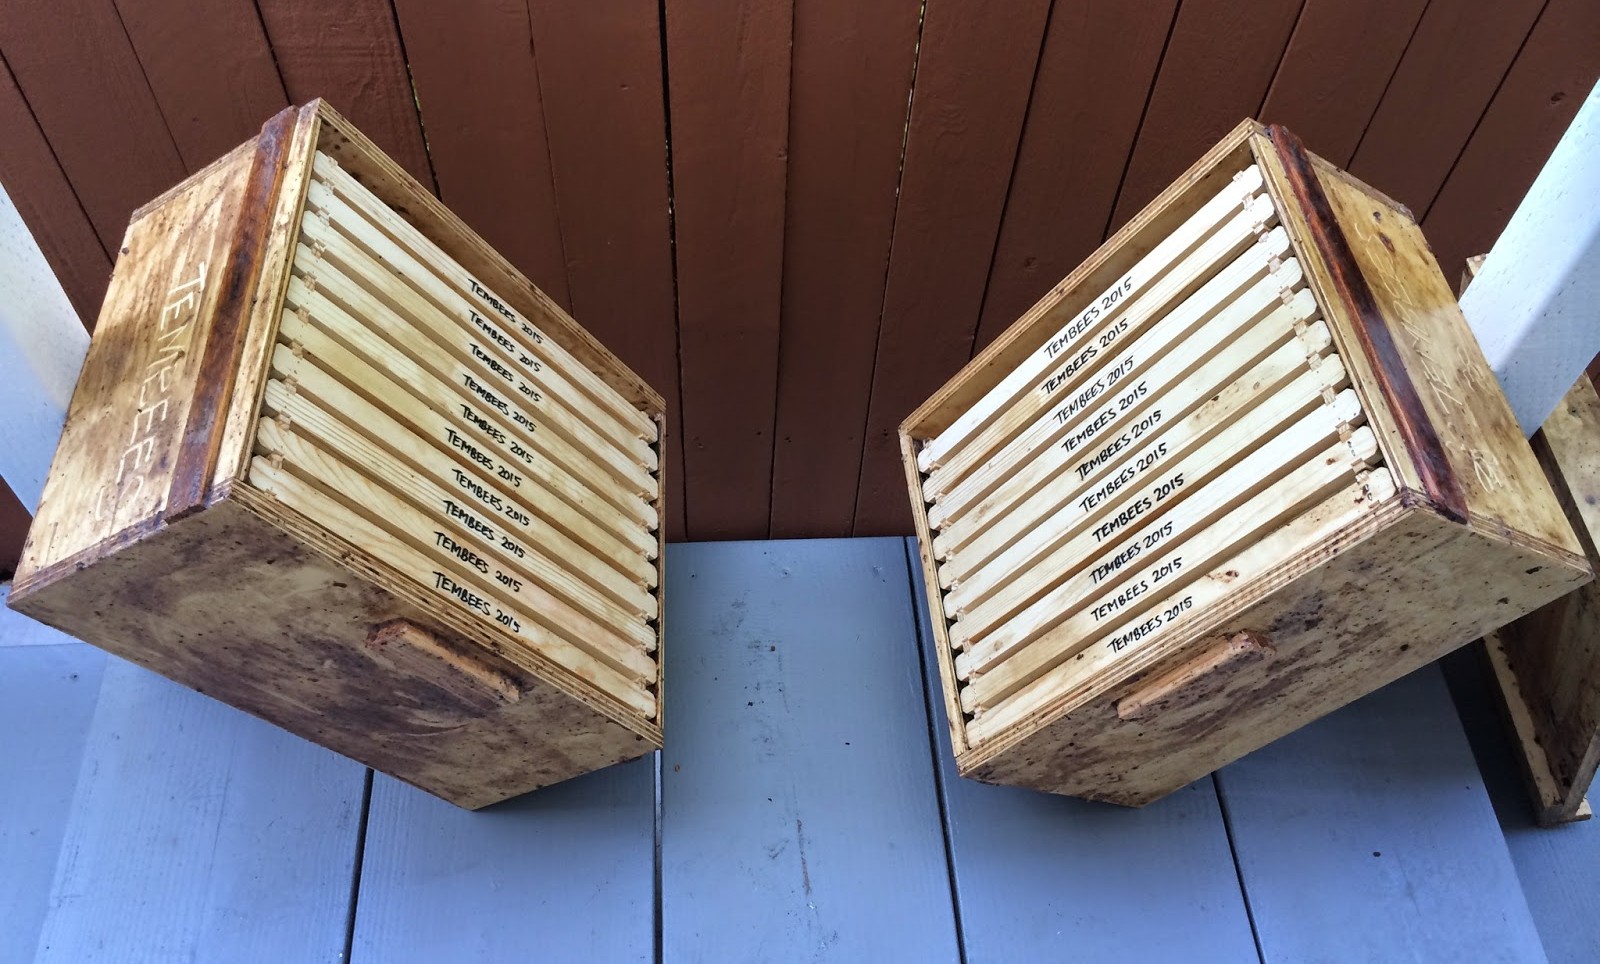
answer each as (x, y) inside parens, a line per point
(795, 218)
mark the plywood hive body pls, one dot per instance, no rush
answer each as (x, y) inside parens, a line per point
(334, 461)
(1243, 466)
(1547, 663)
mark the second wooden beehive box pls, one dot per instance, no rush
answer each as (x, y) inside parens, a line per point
(1243, 466)
(334, 461)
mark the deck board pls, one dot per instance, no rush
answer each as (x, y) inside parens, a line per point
(1368, 836)
(147, 822)
(562, 874)
(1556, 866)
(799, 816)
(47, 692)
(198, 833)
(1034, 870)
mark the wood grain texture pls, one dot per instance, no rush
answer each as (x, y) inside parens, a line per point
(1219, 63)
(473, 65)
(600, 72)
(1336, 69)
(198, 833)
(350, 54)
(1030, 867)
(728, 69)
(562, 874)
(1540, 95)
(1451, 69)
(851, 80)
(83, 81)
(1382, 805)
(961, 143)
(1097, 66)
(47, 691)
(212, 73)
(39, 190)
(814, 830)
(1548, 662)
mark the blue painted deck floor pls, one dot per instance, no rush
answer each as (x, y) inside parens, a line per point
(805, 808)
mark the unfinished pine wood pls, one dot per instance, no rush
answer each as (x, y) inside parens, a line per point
(1547, 663)
(368, 284)
(365, 356)
(1150, 270)
(391, 275)
(1140, 448)
(1120, 461)
(393, 452)
(1276, 355)
(343, 272)
(1077, 543)
(1071, 431)
(1322, 522)
(1248, 500)
(521, 573)
(406, 236)
(1070, 423)
(260, 336)
(1186, 685)
(1011, 545)
(321, 520)
(460, 585)
(324, 396)
(1184, 295)
(339, 307)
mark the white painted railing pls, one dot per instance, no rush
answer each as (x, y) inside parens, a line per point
(42, 344)
(1535, 303)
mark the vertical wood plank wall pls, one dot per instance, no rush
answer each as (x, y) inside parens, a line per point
(795, 218)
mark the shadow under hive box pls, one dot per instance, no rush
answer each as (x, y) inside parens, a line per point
(1243, 466)
(334, 461)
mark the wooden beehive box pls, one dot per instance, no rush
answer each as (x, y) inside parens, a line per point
(1547, 663)
(334, 461)
(1241, 467)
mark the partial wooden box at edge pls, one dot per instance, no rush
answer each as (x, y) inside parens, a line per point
(256, 520)
(1467, 537)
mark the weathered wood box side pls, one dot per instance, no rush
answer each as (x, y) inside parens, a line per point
(1547, 664)
(152, 542)
(1469, 537)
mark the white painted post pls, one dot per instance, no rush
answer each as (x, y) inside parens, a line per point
(1535, 303)
(42, 344)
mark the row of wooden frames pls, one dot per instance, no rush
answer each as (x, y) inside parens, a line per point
(411, 411)
(1107, 489)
